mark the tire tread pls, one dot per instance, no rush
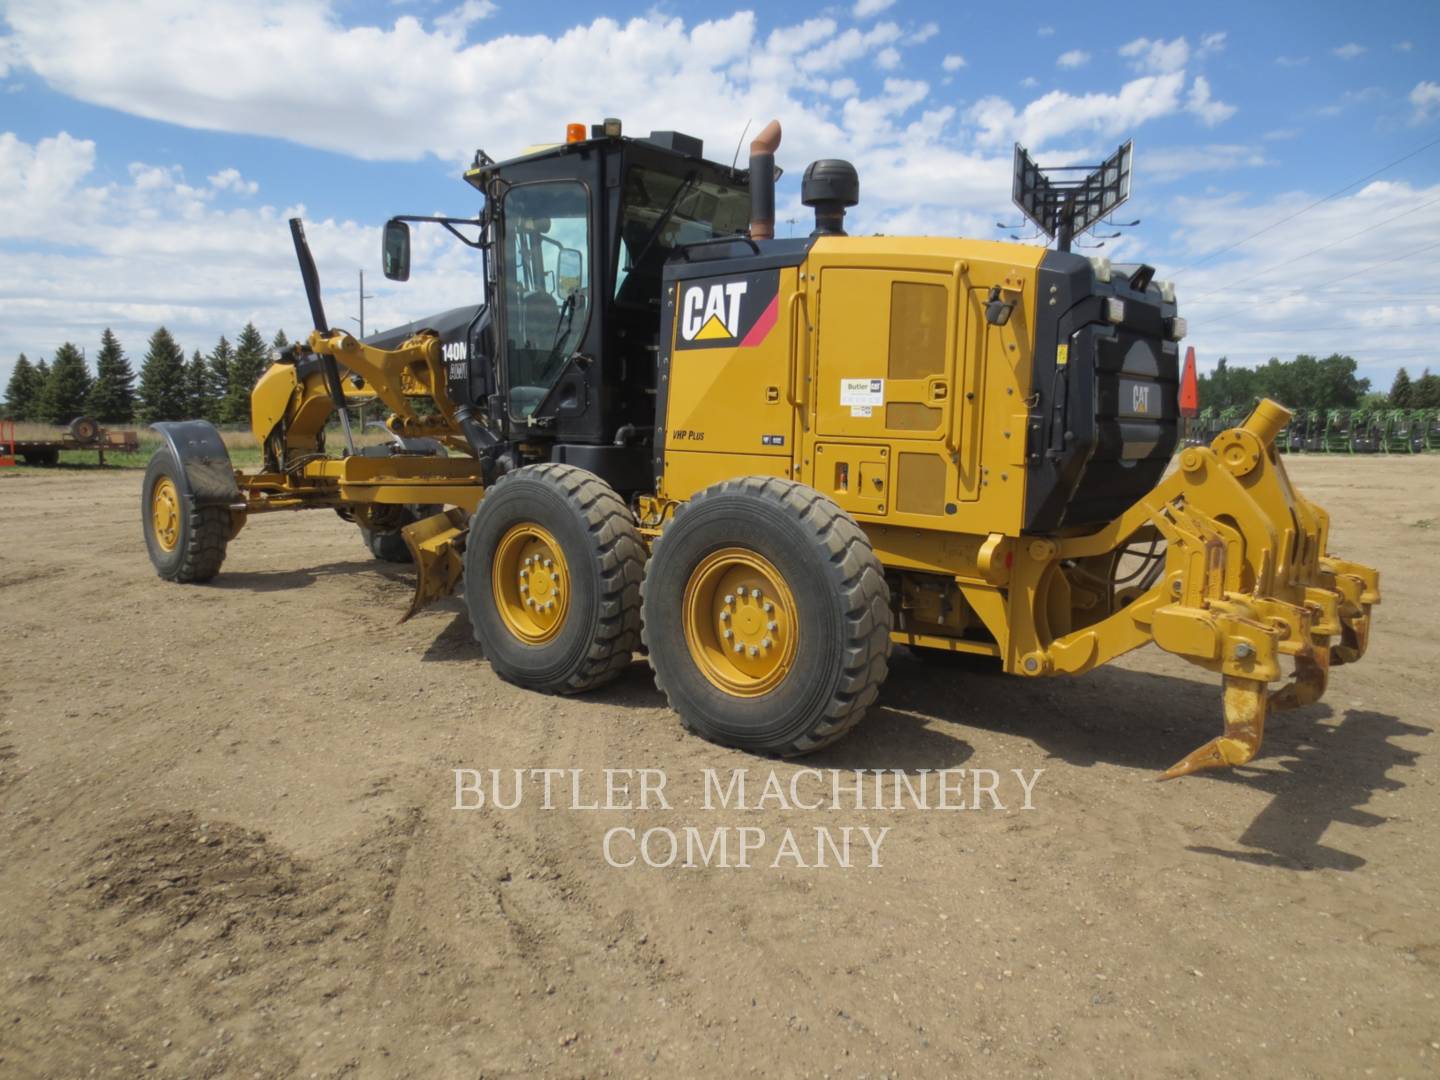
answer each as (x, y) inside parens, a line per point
(857, 576)
(621, 552)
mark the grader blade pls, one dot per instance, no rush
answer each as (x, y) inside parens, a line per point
(436, 543)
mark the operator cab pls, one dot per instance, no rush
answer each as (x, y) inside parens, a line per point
(577, 235)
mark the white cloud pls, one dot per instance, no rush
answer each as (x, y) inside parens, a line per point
(887, 59)
(153, 249)
(1073, 59)
(9, 56)
(1029, 82)
(843, 88)
(865, 8)
(446, 94)
(1158, 56)
(924, 34)
(1058, 114)
(458, 20)
(1177, 162)
(231, 180)
(1211, 44)
(1292, 61)
(1199, 102)
(1404, 46)
(1045, 31)
(1426, 99)
(1349, 51)
(1290, 291)
(953, 62)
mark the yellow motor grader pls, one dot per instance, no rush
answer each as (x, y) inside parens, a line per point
(766, 462)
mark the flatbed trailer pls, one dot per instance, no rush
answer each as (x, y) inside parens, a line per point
(82, 435)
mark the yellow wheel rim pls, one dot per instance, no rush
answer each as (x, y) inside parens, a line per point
(740, 622)
(531, 583)
(165, 513)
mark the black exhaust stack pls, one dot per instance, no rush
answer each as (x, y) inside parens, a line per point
(830, 186)
(762, 182)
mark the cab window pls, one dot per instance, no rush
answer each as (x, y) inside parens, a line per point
(546, 285)
(662, 212)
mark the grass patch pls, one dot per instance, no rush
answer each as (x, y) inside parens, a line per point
(244, 450)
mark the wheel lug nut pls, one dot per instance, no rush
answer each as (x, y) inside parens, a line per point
(729, 599)
(772, 626)
(549, 563)
(739, 648)
(524, 587)
(724, 616)
(754, 651)
(766, 643)
(767, 607)
(728, 634)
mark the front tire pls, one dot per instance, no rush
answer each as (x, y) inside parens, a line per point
(186, 542)
(767, 617)
(553, 565)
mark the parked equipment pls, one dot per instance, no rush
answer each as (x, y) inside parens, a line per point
(768, 461)
(83, 433)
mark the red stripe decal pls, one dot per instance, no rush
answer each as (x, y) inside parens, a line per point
(763, 325)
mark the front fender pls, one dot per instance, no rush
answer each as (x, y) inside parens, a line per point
(206, 476)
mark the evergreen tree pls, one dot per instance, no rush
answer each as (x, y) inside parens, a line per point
(199, 391)
(22, 393)
(1425, 393)
(281, 342)
(162, 394)
(220, 360)
(1401, 391)
(63, 398)
(112, 396)
(250, 359)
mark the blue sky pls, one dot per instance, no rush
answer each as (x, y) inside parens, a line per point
(150, 151)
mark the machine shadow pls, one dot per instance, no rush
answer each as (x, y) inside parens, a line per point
(1316, 773)
(1325, 774)
(298, 578)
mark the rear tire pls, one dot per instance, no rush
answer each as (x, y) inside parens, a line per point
(579, 625)
(813, 646)
(186, 542)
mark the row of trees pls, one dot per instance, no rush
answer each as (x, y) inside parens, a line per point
(213, 387)
(1422, 393)
(1310, 383)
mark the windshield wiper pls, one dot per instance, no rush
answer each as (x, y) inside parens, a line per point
(664, 218)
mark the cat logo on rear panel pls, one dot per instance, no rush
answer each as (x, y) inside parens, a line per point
(727, 312)
(711, 312)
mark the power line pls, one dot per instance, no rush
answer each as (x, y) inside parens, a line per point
(1318, 202)
(1316, 251)
(1346, 277)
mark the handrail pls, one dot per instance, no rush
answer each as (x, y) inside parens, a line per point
(798, 371)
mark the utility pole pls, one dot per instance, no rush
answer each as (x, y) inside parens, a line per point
(363, 298)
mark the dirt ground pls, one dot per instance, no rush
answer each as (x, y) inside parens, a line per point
(229, 849)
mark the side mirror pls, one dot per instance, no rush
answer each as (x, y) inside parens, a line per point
(395, 251)
(568, 269)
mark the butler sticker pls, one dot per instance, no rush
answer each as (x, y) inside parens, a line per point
(727, 312)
